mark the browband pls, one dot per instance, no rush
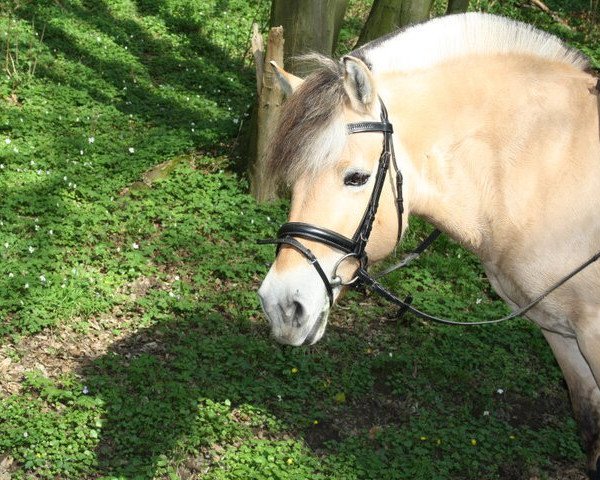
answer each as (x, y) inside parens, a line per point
(359, 127)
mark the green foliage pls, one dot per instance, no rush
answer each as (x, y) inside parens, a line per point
(52, 428)
(190, 385)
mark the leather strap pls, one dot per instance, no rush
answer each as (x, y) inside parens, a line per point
(310, 232)
(370, 282)
(292, 242)
(360, 127)
(410, 256)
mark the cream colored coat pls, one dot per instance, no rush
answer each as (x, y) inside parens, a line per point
(499, 144)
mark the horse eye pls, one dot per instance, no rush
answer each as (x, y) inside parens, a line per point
(356, 179)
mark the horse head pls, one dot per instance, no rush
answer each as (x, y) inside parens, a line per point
(332, 175)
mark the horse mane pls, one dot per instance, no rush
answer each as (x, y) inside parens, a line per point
(428, 44)
(311, 134)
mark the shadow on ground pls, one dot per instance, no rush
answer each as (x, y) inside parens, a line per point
(180, 389)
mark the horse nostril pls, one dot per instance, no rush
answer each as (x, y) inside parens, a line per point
(297, 313)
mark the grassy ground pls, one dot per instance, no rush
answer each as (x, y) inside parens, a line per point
(132, 345)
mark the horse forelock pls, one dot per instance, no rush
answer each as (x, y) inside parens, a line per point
(311, 133)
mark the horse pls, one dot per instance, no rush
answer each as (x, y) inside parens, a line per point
(495, 141)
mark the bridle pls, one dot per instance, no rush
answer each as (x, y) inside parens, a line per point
(355, 247)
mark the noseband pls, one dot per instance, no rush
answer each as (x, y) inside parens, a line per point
(351, 247)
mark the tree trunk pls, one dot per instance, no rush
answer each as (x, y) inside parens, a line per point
(384, 17)
(309, 26)
(388, 15)
(457, 6)
(414, 11)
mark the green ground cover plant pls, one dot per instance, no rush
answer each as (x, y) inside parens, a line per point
(131, 340)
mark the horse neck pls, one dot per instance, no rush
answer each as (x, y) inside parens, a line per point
(463, 135)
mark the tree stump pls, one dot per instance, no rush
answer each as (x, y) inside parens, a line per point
(270, 97)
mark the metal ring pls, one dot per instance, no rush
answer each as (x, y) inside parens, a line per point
(337, 281)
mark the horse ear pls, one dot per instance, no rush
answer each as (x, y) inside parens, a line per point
(359, 84)
(288, 82)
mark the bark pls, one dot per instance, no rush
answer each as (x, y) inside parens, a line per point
(388, 15)
(414, 11)
(310, 26)
(384, 17)
(265, 117)
(258, 52)
(457, 6)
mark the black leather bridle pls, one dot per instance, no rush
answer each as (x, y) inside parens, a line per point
(351, 247)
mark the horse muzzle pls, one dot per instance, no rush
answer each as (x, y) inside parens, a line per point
(297, 316)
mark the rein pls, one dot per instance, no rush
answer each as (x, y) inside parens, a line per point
(355, 247)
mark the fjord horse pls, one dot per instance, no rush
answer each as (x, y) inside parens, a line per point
(496, 135)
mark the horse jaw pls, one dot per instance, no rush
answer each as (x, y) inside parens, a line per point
(296, 304)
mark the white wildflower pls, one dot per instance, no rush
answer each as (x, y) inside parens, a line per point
(135, 245)
(131, 150)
